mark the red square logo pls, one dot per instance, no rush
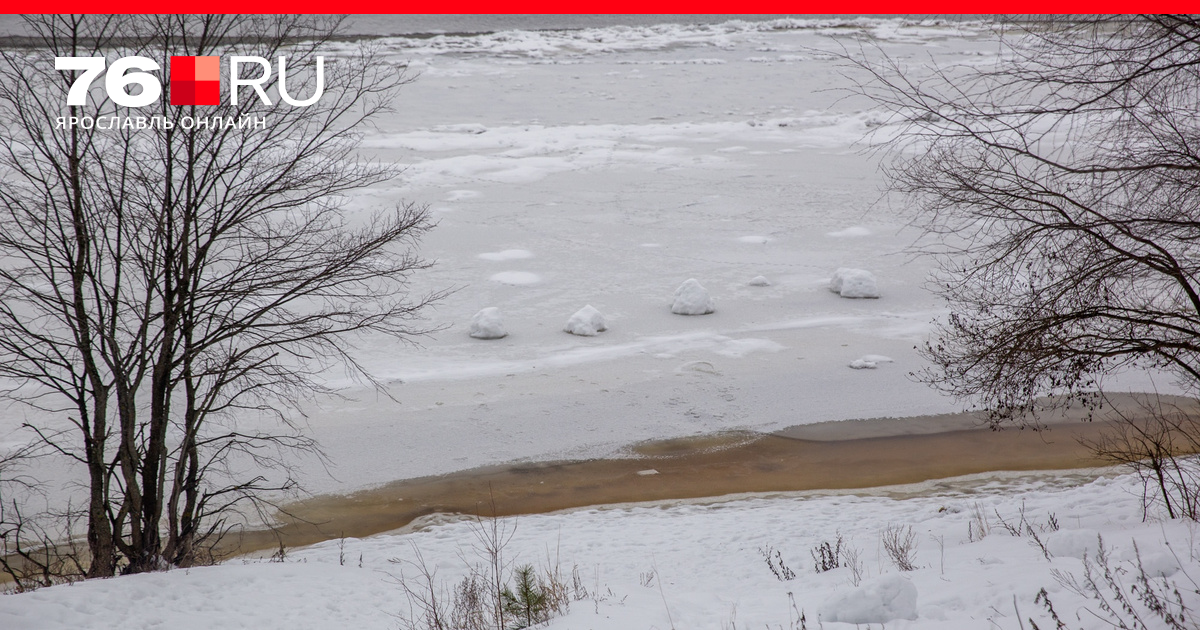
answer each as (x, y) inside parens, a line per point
(195, 80)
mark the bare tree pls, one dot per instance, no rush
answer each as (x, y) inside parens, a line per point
(1154, 440)
(163, 287)
(1058, 190)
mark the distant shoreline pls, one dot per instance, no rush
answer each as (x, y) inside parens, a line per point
(400, 25)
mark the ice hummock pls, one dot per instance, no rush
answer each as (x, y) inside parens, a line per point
(760, 281)
(488, 324)
(854, 283)
(692, 299)
(586, 322)
(869, 361)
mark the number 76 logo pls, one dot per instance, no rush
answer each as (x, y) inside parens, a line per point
(194, 80)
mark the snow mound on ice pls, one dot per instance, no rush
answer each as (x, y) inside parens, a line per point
(692, 299)
(508, 254)
(518, 278)
(877, 601)
(850, 232)
(869, 361)
(586, 322)
(760, 281)
(488, 324)
(854, 283)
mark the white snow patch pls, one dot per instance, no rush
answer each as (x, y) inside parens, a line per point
(755, 239)
(488, 324)
(759, 281)
(458, 195)
(869, 361)
(519, 278)
(1073, 543)
(471, 128)
(850, 232)
(878, 600)
(1159, 564)
(586, 322)
(738, 348)
(508, 254)
(854, 283)
(692, 299)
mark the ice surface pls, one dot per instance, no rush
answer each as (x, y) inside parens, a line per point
(854, 283)
(586, 322)
(517, 278)
(488, 324)
(878, 600)
(692, 299)
(603, 153)
(850, 232)
(756, 240)
(508, 254)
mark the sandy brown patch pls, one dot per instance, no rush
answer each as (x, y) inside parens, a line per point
(835, 455)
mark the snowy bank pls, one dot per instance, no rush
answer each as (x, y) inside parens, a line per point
(687, 564)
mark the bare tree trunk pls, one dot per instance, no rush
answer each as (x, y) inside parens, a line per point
(212, 274)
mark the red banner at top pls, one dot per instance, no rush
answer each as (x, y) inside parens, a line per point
(641, 7)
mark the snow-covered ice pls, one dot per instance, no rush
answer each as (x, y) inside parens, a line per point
(488, 323)
(517, 278)
(508, 254)
(854, 283)
(586, 322)
(854, 231)
(628, 158)
(604, 153)
(755, 240)
(691, 298)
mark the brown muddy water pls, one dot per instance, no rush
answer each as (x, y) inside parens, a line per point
(833, 455)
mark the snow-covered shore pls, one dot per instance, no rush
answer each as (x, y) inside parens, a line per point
(705, 555)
